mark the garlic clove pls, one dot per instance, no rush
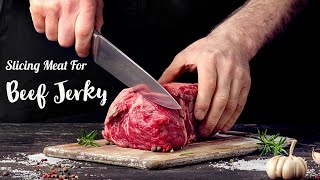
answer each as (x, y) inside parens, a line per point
(288, 170)
(304, 164)
(279, 167)
(271, 167)
(316, 157)
(301, 167)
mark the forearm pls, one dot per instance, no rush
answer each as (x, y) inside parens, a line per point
(255, 23)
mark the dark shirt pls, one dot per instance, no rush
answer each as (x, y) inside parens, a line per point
(152, 32)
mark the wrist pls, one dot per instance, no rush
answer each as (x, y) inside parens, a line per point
(233, 42)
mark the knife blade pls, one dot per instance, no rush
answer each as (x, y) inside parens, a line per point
(110, 58)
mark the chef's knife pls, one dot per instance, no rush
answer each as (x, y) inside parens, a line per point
(110, 58)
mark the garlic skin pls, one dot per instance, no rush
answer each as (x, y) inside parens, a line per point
(286, 167)
(316, 157)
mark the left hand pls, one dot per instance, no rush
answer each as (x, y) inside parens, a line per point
(223, 80)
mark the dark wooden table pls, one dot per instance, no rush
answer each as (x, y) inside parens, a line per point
(17, 140)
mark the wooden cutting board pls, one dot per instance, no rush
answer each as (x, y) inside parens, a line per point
(220, 146)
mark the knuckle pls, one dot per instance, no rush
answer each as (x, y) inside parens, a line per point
(231, 106)
(83, 32)
(248, 82)
(241, 104)
(211, 83)
(204, 106)
(215, 116)
(241, 73)
(228, 67)
(53, 7)
(209, 54)
(245, 91)
(34, 4)
(184, 56)
(36, 8)
(169, 70)
(32, 10)
(68, 6)
(172, 69)
(176, 57)
(179, 56)
(221, 101)
(240, 107)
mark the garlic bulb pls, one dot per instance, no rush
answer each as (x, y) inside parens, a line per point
(316, 157)
(287, 167)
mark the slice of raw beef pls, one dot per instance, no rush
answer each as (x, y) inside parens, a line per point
(133, 121)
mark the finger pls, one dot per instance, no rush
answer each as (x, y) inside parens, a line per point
(218, 104)
(236, 86)
(175, 69)
(66, 27)
(207, 76)
(99, 16)
(37, 14)
(83, 32)
(51, 28)
(242, 101)
(38, 21)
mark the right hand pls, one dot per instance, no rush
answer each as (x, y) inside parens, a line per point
(68, 21)
(223, 79)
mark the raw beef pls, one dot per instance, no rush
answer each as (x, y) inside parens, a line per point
(132, 121)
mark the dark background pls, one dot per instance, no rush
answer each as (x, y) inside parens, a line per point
(284, 73)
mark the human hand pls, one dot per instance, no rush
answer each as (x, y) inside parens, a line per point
(223, 80)
(68, 21)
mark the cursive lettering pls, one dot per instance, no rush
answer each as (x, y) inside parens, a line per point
(88, 92)
(14, 94)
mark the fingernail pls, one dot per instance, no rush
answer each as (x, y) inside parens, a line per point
(200, 114)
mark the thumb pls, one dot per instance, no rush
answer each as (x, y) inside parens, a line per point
(99, 16)
(175, 69)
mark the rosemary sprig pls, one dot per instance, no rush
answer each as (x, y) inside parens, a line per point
(85, 139)
(270, 144)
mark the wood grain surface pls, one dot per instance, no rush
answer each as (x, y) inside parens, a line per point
(219, 147)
